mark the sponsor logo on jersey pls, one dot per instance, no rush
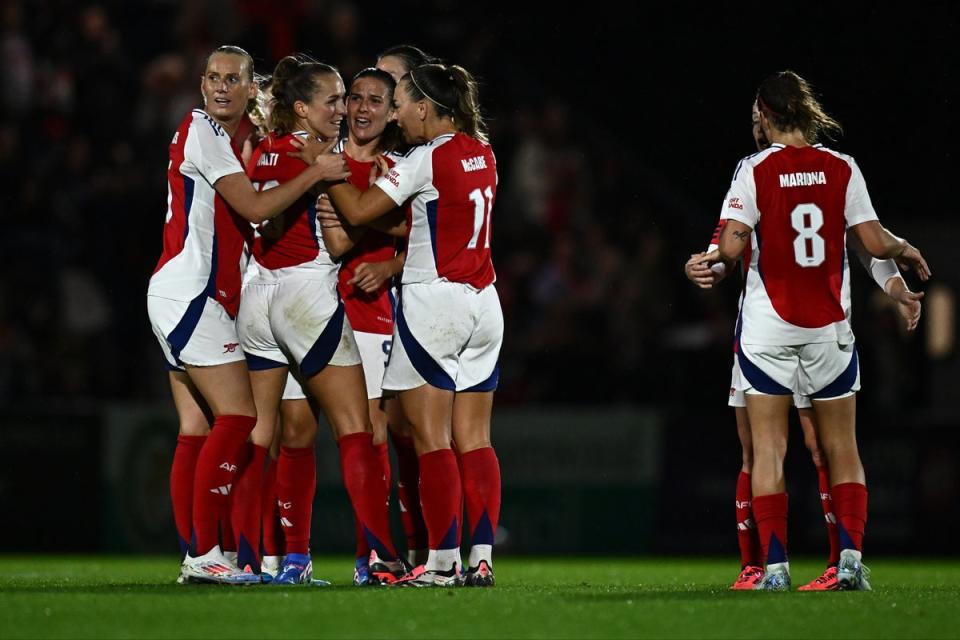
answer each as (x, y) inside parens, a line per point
(268, 160)
(176, 136)
(474, 164)
(802, 179)
(230, 347)
(734, 203)
(392, 177)
(226, 466)
(743, 504)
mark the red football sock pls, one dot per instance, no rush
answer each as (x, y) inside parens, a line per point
(247, 504)
(272, 541)
(383, 455)
(850, 507)
(441, 498)
(362, 471)
(181, 486)
(481, 492)
(216, 472)
(833, 534)
(229, 523)
(770, 513)
(296, 485)
(747, 536)
(363, 478)
(408, 493)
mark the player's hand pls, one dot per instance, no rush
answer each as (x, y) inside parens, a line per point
(910, 258)
(908, 302)
(379, 168)
(698, 271)
(315, 152)
(327, 216)
(369, 276)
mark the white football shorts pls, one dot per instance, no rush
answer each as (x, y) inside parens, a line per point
(292, 389)
(295, 322)
(374, 353)
(738, 399)
(448, 335)
(819, 371)
(199, 333)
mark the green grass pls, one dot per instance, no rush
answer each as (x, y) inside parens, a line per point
(121, 597)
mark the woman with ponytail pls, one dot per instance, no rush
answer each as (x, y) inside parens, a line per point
(193, 299)
(291, 318)
(449, 325)
(794, 203)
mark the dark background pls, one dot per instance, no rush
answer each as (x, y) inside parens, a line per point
(616, 131)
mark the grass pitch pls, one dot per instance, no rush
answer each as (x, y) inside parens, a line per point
(134, 596)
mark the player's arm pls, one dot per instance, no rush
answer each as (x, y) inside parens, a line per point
(393, 224)
(259, 206)
(338, 237)
(360, 208)
(882, 244)
(733, 241)
(888, 278)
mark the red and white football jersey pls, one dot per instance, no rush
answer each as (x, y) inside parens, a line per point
(799, 202)
(293, 237)
(451, 184)
(367, 312)
(203, 239)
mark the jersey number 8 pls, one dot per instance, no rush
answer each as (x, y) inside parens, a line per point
(809, 249)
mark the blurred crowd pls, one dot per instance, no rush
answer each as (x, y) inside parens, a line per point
(588, 243)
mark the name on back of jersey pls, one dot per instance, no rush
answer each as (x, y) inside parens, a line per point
(803, 178)
(268, 160)
(474, 164)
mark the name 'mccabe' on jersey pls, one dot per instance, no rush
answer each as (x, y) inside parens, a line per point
(203, 239)
(451, 184)
(799, 203)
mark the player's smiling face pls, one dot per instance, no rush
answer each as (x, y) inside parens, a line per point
(226, 86)
(369, 109)
(324, 113)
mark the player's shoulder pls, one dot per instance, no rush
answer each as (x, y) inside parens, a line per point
(200, 120)
(750, 162)
(845, 157)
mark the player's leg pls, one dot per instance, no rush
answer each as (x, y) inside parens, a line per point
(340, 392)
(827, 581)
(272, 541)
(831, 377)
(768, 424)
(296, 483)
(408, 483)
(430, 412)
(751, 564)
(195, 419)
(267, 384)
(226, 388)
(837, 419)
(374, 348)
(480, 471)
(748, 539)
